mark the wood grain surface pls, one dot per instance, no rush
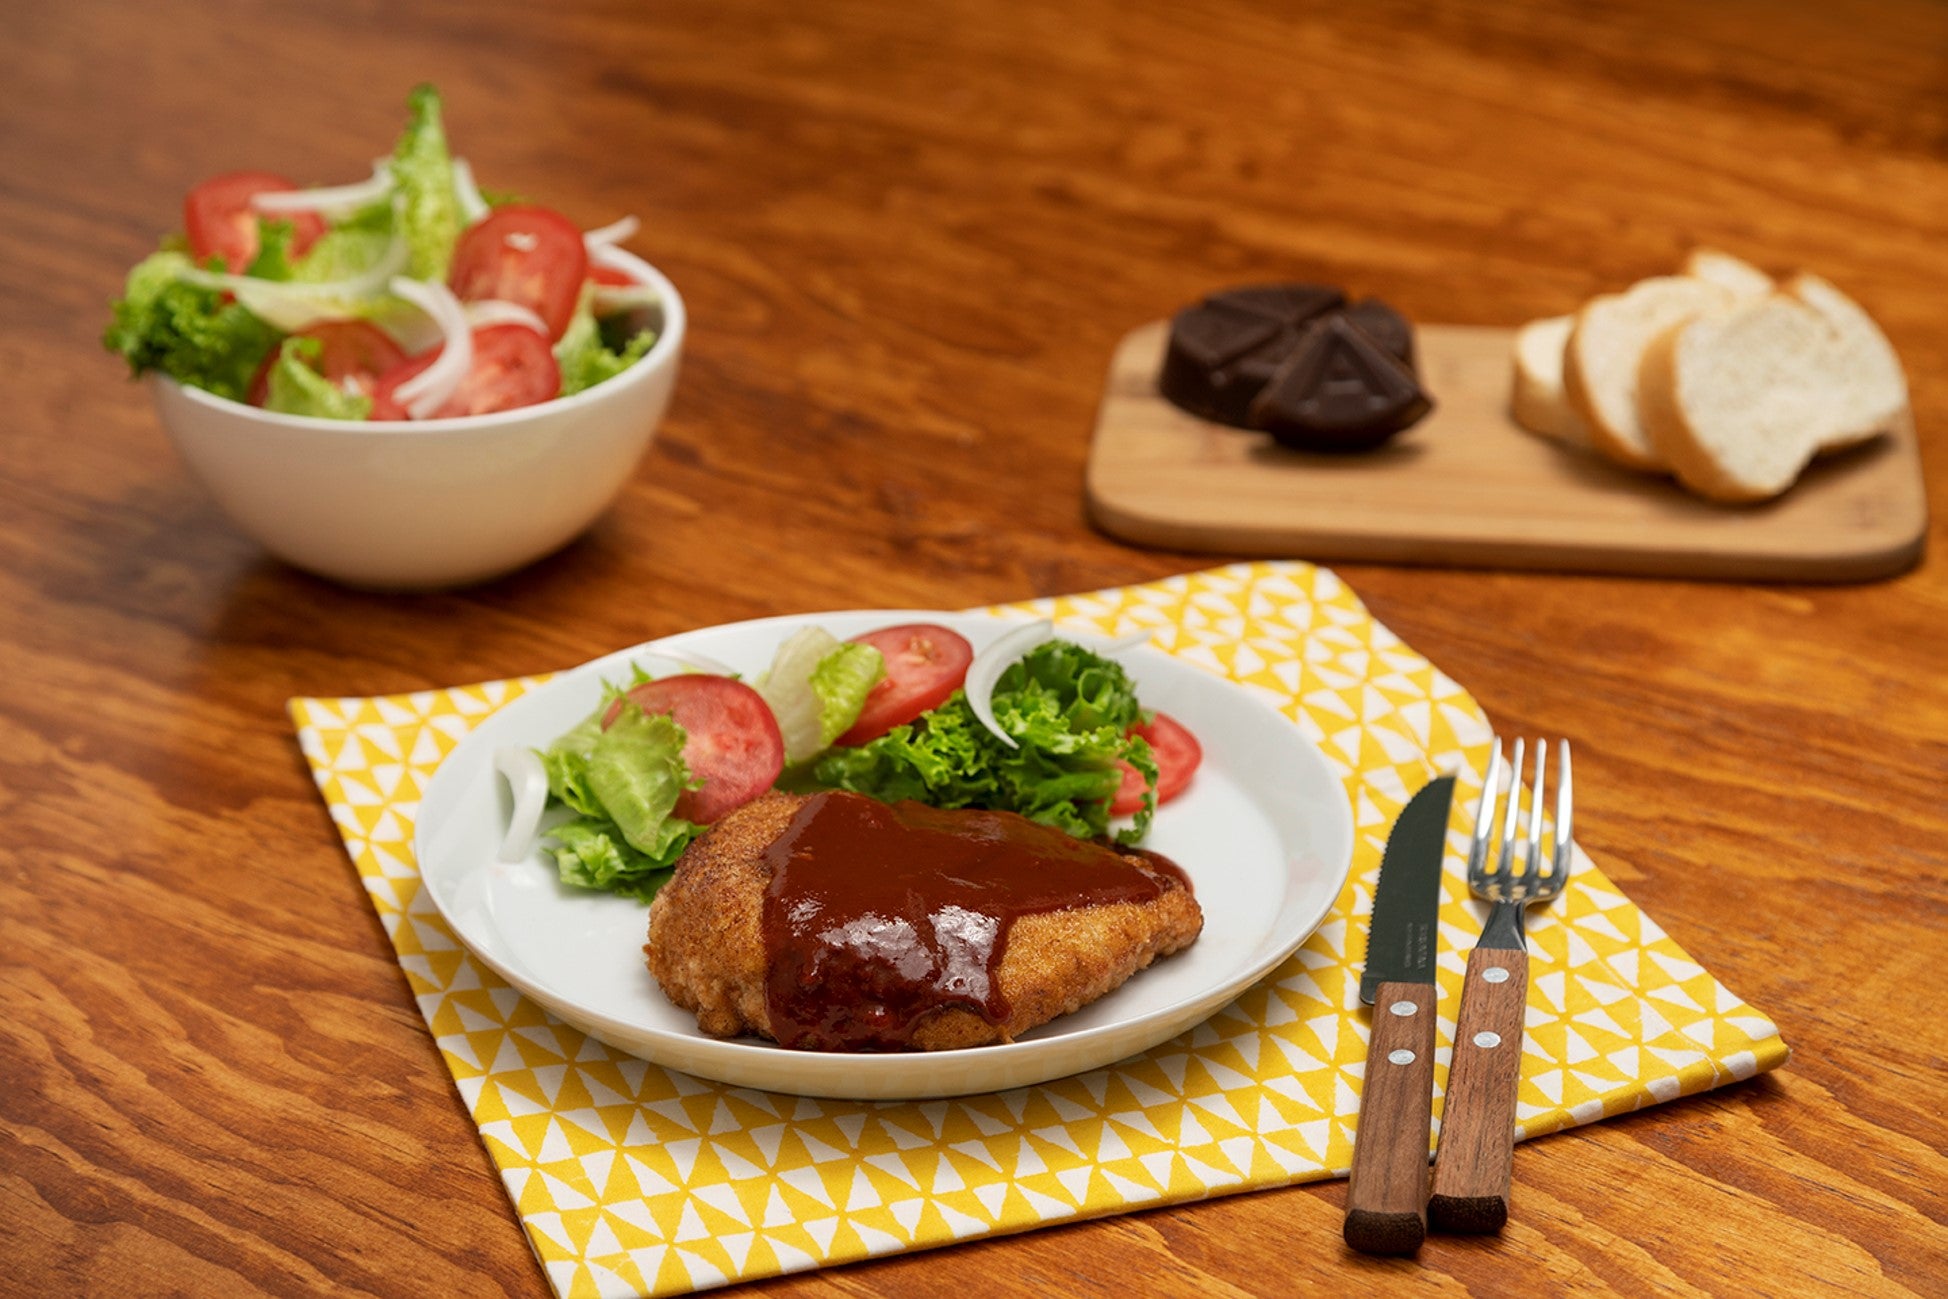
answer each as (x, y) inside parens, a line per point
(909, 237)
(1466, 486)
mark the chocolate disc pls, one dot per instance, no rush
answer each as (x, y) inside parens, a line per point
(1339, 391)
(1206, 341)
(1226, 348)
(1297, 361)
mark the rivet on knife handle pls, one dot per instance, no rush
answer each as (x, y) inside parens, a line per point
(1386, 1203)
(1471, 1173)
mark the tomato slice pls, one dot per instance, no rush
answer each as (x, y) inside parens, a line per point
(525, 255)
(219, 220)
(1178, 757)
(355, 355)
(610, 276)
(925, 664)
(731, 742)
(512, 367)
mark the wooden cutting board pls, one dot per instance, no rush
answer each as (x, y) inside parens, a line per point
(1466, 486)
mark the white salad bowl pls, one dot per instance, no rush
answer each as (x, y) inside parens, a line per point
(426, 503)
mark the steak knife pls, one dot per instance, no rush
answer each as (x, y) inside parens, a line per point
(1386, 1202)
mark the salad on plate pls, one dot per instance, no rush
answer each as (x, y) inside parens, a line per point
(1034, 725)
(410, 295)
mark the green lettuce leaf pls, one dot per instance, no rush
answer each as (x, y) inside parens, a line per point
(566, 762)
(842, 680)
(273, 259)
(636, 772)
(296, 387)
(350, 247)
(624, 782)
(185, 331)
(590, 852)
(422, 167)
(586, 358)
(1070, 712)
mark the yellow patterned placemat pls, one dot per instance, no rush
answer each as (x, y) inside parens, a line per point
(632, 1179)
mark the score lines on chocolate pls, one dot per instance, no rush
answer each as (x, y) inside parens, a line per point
(1298, 362)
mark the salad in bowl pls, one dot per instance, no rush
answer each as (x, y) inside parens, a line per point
(410, 295)
(402, 383)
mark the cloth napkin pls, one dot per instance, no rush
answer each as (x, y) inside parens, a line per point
(631, 1179)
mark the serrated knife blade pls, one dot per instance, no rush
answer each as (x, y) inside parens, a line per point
(1386, 1203)
(1400, 943)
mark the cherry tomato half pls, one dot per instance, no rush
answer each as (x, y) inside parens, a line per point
(525, 255)
(731, 741)
(610, 276)
(220, 222)
(512, 367)
(925, 664)
(1178, 756)
(355, 355)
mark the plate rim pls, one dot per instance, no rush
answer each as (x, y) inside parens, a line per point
(986, 1061)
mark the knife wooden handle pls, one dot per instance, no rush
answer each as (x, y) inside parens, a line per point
(1386, 1203)
(1471, 1172)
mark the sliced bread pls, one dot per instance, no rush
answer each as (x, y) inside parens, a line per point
(1865, 364)
(1606, 346)
(1536, 397)
(1538, 400)
(1736, 274)
(1739, 401)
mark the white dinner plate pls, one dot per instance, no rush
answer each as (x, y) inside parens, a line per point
(1264, 832)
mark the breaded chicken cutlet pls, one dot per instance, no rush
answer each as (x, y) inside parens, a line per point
(709, 950)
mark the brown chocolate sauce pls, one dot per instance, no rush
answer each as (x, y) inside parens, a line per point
(879, 914)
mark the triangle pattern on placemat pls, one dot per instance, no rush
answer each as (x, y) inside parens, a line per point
(631, 1179)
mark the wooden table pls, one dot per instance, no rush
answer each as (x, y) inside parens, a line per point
(909, 236)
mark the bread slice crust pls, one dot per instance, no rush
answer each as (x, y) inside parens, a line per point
(1605, 352)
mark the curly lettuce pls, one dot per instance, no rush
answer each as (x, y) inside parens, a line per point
(586, 355)
(191, 333)
(1070, 712)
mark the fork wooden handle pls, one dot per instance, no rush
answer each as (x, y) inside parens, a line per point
(1471, 1169)
(1386, 1203)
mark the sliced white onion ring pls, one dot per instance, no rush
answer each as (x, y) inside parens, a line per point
(291, 306)
(489, 312)
(527, 780)
(988, 665)
(330, 200)
(611, 234)
(427, 391)
(472, 205)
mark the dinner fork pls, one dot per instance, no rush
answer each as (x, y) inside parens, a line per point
(1471, 1167)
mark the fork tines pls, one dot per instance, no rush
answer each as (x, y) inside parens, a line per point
(1499, 878)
